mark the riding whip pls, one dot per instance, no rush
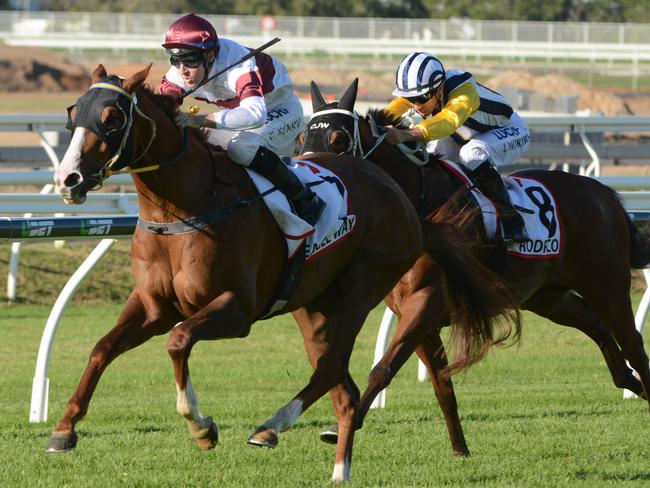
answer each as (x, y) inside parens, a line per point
(240, 60)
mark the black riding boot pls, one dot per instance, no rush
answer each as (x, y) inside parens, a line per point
(489, 181)
(308, 205)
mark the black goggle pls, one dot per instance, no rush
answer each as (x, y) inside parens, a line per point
(421, 99)
(189, 60)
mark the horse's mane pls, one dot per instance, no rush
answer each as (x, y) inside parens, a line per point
(382, 117)
(169, 106)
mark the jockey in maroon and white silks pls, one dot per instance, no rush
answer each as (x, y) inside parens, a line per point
(260, 114)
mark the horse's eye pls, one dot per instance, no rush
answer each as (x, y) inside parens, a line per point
(114, 121)
(339, 141)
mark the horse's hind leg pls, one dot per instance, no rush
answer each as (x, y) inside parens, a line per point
(432, 353)
(610, 299)
(420, 313)
(329, 338)
(563, 307)
(133, 328)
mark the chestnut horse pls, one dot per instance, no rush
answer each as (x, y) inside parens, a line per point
(219, 275)
(587, 287)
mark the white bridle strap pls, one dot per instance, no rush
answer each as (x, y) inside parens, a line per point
(378, 141)
(354, 115)
(357, 150)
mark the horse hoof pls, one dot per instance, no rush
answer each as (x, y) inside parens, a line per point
(264, 437)
(62, 442)
(330, 435)
(210, 439)
(456, 453)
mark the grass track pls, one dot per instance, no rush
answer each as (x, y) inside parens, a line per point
(545, 414)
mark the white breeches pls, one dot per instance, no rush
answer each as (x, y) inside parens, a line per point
(500, 146)
(284, 122)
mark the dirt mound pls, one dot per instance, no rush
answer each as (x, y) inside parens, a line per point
(33, 69)
(553, 85)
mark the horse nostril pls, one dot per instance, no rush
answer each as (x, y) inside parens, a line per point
(73, 179)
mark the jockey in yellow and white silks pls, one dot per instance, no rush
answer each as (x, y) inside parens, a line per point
(463, 121)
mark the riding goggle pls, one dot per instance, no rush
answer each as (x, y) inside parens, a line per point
(421, 99)
(189, 60)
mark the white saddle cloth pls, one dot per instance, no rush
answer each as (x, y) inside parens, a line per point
(335, 223)
(535, 203)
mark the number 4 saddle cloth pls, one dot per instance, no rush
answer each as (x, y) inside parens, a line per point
(534, 202)
(336, 223)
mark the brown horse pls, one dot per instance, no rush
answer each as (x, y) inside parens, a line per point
(587, 287)
(218, 271)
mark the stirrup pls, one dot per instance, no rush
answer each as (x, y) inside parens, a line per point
(514, 229)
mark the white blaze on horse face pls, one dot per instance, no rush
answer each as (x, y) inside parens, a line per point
(285, 417)
(187, 405)
(71, 162)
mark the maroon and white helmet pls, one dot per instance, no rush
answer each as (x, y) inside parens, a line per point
(190, 33)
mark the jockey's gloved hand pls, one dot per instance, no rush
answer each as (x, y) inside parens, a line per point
(184, 119)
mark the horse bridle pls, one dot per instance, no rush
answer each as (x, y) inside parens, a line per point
(127, 103)
(355, 147)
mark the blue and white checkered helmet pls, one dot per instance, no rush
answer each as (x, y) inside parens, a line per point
(418, 73)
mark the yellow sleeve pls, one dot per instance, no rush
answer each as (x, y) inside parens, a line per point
(464, 102)
(398, 106)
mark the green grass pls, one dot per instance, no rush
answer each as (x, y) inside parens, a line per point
(543, 414)
(44, 270)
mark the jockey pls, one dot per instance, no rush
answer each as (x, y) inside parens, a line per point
(463, 121)
(261, 116)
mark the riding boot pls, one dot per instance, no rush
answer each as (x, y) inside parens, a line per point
(489, 181)
(307, 204)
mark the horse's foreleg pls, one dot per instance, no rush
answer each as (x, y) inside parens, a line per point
(222, 318)
(565, 308)
(133, 328)
(432, 353)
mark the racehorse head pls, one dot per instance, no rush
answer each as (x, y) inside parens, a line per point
(333, 126)
(102, 123)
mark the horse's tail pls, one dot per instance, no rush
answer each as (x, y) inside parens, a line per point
(480, 302)
(639, 239)
(640, 244)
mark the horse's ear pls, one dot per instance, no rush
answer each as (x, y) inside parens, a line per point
(317, 100)
(99, 73)
(350, 96)
(135, 80)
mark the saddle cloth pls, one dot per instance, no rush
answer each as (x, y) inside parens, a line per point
(335, 223)
(534, 202)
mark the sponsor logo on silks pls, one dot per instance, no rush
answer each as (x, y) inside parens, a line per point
(37, 228)
(539, 246)
(347, 224)
(506, 132)
(276, 114)
(95, 227)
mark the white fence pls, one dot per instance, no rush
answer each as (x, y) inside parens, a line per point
(561, 124)
(619, 49)
(36, 23)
